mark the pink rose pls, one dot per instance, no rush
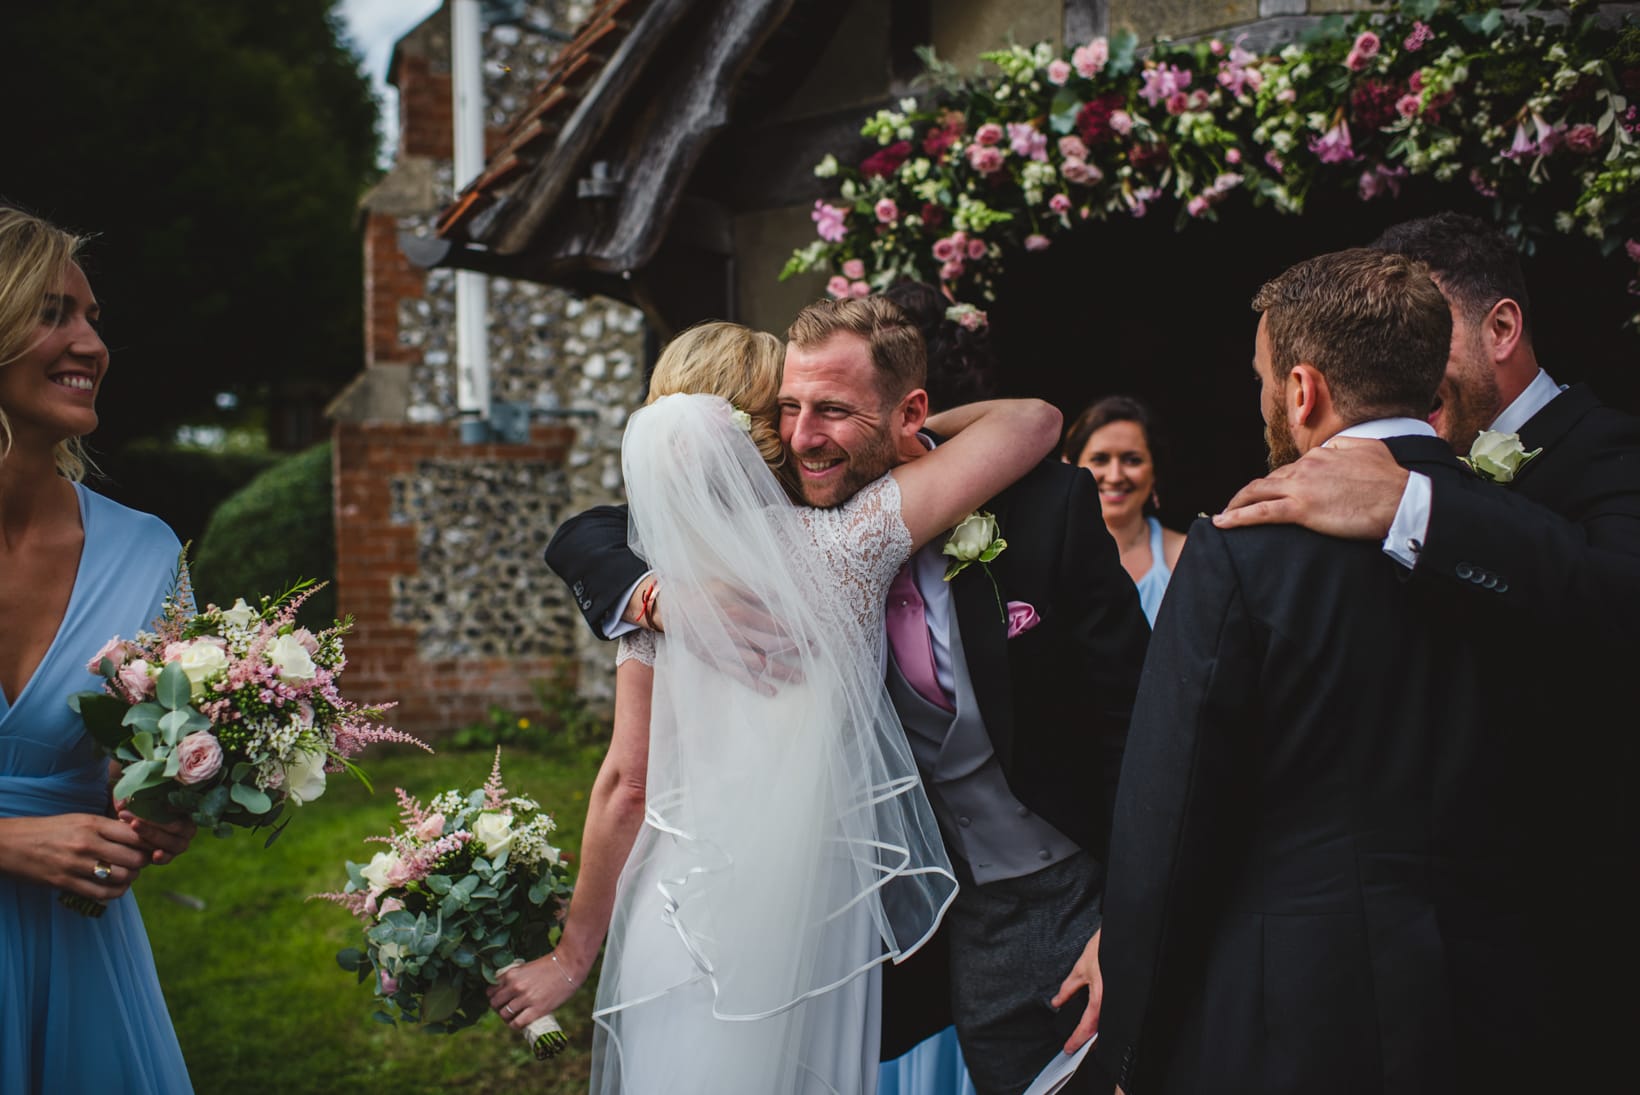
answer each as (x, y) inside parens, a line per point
(988, 134)
(1582, 139)
(887, 212)
(1366, 44)
(1036, 241)
(1633, 249)
(859, 290)
(309, 642)
(837, 287)
(951, 271)
(1089, 59)
(199, 757)
(976, 249)
(854, 269)
(1196, 206)
(985, 159)
(1058, 73)
(973, 319)
(1232, 155)
(134, 676)
(390, 984)
(430, 829)
(1060, 204)
(115, 650)
(1216, 46)
(390, 904)
(1078, 172)
(1072, 148)
(1027, 141)
(1122, 122)
(946, 249)
(1178, 103)
(1407, 106)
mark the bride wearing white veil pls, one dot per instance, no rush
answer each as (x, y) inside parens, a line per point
(785, 846)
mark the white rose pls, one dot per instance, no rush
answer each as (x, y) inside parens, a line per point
(305, 776)
(970, 539)
(494, 831)
(290, 658)
(376, 871)
(389, 955)
(1498, 456)
(200, 660)
(240, 615)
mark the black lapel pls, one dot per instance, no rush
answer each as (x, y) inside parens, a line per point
(985, 642)
(1545, 429)
(1414, 449)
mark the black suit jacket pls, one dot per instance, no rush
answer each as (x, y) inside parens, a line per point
(1316, 868)
(1055, 699)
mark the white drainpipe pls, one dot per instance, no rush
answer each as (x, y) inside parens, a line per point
(472, 289)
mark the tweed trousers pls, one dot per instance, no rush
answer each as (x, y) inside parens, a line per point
(1012, 944)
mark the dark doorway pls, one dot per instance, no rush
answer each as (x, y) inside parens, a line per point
(1131, 306)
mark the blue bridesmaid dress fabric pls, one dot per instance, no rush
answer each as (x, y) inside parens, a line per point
(933, 1066)
(1154, 584)
(80, 1002)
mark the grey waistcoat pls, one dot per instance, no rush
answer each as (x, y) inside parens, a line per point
(981, 820)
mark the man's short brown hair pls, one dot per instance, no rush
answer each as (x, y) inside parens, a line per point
(1372, 322)
(895, 343)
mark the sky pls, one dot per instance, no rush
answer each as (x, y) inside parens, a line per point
(374, 25)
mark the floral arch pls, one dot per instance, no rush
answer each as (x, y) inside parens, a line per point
(1528, 107)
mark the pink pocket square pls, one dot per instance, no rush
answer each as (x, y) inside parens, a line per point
(1021, 618)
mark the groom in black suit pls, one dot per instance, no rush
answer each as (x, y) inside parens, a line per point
(1557, 549)
(1315, 876)
(1014, 686)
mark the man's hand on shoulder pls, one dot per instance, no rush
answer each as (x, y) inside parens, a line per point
(1349, 488)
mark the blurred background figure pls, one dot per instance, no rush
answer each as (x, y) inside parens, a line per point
(962, 367)
(1117, 439)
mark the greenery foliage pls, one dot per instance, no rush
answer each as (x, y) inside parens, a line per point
(1529, 107)
(566, 717)
(276, 528)
(217, 151)
(144, 475)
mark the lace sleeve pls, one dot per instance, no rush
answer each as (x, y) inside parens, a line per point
(636, 644)
(864, 543)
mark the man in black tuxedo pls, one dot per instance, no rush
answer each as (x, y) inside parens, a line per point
(1016, 714)
(1557, 549)
(1313, 882)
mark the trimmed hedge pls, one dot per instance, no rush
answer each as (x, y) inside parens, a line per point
(182, 487)
(279, 527)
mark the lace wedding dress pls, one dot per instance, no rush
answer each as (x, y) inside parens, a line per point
(788, 846)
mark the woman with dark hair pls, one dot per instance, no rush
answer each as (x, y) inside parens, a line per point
(961, 365)
(1117, 439)
(81, 1002)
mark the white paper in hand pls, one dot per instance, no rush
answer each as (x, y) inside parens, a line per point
(1059, 1070)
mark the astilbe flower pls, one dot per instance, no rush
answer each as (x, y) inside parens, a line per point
(495, 792)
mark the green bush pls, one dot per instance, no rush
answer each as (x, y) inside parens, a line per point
(278, 528)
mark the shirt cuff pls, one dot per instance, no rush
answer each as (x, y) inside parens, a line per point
(614, 626)
(1411, 525)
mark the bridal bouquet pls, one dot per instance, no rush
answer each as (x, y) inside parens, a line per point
(227, 714)
(469, 888)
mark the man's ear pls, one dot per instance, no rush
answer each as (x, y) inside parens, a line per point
(912, 412)
(1505, 329)
(1305, 393)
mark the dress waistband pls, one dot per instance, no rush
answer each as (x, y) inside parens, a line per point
(81, 790)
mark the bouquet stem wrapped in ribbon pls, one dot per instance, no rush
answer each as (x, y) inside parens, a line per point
(467, 889)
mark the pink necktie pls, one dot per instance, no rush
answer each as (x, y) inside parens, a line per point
(908, 636)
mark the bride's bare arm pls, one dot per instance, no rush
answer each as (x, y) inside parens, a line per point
(614, 816)
(996, 443)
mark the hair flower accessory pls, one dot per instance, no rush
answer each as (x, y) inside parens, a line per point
(741, 419)
(1498, 456)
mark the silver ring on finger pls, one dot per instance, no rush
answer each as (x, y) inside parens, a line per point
(103, 871)
(506, 1009)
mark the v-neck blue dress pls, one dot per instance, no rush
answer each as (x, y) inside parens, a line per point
(80, 1003)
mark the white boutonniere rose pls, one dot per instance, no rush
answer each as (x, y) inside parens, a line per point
(1498, 456)
(974, 540)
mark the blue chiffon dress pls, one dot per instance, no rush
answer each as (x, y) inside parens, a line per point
(80, 1003)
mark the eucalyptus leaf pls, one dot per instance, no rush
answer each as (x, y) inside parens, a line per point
(350, 958)
(257, 802)
(103, 715)
(144, 716)
(174, 725)
(383, 1017)
(440, 1002)
(172, 689)
(138, 775)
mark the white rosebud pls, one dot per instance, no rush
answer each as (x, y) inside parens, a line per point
(240, 615)
(494, 831)
(970, 538)
(376, 872)
(305, 776)
(290, 658)
(1498, 456)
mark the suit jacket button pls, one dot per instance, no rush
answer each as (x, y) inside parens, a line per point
(1503, 587)
(964, 822)
(1465, 570)
(1024, 811)
(1491, 581)
(1044, 854)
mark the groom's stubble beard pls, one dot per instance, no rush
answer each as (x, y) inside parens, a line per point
(868, 463)
(1278, 437)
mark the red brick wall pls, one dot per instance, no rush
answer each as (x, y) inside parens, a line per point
(425, 109)
(371, 550)
(389, 277)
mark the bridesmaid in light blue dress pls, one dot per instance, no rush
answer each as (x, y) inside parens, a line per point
(80, 1003)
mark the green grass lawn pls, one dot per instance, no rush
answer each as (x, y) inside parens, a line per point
(252, 982)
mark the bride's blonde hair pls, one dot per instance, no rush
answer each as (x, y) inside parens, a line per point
(34, 257)
(731, 361)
